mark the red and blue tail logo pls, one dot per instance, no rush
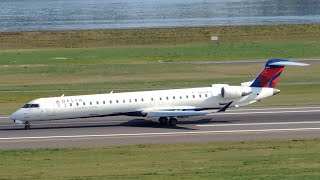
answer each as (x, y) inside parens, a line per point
(270, 75)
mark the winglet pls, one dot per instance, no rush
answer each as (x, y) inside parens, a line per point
(224, 108)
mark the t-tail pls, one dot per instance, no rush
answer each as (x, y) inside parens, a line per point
(270, 75)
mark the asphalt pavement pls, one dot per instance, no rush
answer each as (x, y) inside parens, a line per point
(240, 124)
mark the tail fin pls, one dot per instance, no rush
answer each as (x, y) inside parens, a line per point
(270, 75)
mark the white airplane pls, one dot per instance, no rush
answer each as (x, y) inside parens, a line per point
(167, 105)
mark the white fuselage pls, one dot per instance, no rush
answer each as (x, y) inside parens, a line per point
(133, 103)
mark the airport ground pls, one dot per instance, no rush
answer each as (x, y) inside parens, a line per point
(42, 64)
(238, 144)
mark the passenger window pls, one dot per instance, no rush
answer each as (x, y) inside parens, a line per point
(173, 97)
(129, 100)
(193, 96)
(199, 95)
(206, 95)
(124, 101)
(136, 100)
(97, 102)
(110, 102)
(117, 101)
(84, 103)
(167, 98)
(180, 97)
(104, 102)
(77, 104)
(142, 99)
(151, 99)
(70, 104)
(160, 98)
(187, 96)
(90, 103)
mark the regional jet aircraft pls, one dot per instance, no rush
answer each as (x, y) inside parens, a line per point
(167, 105)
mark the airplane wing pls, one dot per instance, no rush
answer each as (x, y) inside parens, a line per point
(180, 111)
(175, 113)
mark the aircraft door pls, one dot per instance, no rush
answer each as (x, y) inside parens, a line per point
(51, 111)
(42, 113)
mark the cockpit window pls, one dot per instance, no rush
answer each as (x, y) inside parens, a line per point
(26, 106)
(34, 106)
(31, 106)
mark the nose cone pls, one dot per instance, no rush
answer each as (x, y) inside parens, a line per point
(18, 115)
(276, 91)
(13, 116)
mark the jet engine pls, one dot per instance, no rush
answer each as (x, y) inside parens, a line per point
(232, 92)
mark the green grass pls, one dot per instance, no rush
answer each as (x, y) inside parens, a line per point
(285, 159)
(157, 36)
(164, 44)
(191, 52)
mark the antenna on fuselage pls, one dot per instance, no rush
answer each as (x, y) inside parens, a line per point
(62, 95)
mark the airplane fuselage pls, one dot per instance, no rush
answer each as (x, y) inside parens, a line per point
(133, 103)
(164, 104)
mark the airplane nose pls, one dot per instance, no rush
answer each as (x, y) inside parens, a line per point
(13, 116)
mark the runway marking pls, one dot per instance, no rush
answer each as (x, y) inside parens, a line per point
(261, 112)
(254, 124)
(155, 134)
(70, 123)
(4, 117)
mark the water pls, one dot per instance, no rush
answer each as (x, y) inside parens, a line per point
(26, 15)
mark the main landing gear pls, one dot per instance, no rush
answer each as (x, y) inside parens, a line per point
(27, 125)
(165, 122)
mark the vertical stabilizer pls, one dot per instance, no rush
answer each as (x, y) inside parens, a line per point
(270, 75)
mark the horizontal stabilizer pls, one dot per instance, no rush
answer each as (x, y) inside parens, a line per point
(287, 63)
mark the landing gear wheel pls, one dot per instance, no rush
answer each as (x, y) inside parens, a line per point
(27, 125)
(163, 121)
(173, 122)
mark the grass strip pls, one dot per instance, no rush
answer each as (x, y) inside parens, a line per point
(162, 53)
(155, 36)
(275, 159)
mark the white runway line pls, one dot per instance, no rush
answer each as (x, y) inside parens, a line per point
(154, 134)
(70, 123)
(255, 124)
(4, 117)
(261, 112)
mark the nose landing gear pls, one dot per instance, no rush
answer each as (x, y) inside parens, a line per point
(27, 125)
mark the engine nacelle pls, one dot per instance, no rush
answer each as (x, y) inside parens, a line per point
(232, 92)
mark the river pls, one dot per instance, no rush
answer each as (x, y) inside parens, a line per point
(29, 15)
